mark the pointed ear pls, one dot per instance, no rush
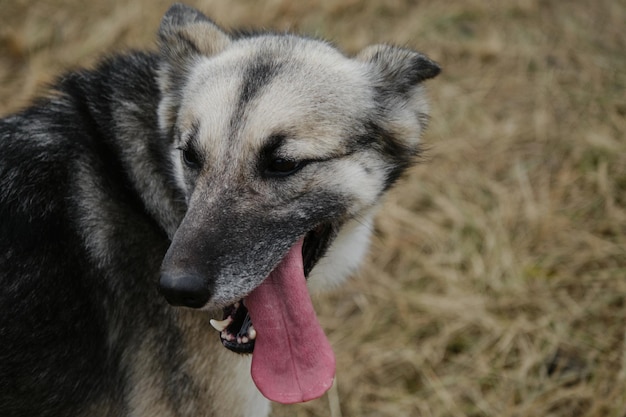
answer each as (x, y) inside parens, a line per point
(184, 35)
(185, 32)
(397, 76)
(398, 70)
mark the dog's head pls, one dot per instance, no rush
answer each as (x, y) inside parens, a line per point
(282, 147)
(276, 138)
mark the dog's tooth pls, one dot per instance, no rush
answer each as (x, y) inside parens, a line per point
(221, 325)
(251, 333)
(245, 339)
(227, 336)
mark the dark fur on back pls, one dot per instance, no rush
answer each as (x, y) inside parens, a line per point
(57, 344)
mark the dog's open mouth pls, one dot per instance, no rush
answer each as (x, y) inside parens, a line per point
(236, 330)
(293, 361)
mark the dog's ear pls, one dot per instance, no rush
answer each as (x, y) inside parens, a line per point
(185, 35)
(185, 32)
(398, 71)
(397, 76)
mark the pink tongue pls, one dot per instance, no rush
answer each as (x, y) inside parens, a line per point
(292, 360)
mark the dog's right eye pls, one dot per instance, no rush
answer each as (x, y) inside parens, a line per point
(190, 158)
(281, 167)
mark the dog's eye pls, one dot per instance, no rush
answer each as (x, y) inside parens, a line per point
(190, 158)
(282, 167)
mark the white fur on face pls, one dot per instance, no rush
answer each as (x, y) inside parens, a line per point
(315, 97)
(345, 254)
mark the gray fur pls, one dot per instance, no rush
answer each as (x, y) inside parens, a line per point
(164, 164)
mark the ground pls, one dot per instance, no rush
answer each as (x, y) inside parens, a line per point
(496, 284)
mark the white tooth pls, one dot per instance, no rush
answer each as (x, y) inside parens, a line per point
(221, 325)
(252, 333)
(238, 339)
(245, 339)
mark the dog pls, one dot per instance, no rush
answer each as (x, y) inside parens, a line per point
(205, 185)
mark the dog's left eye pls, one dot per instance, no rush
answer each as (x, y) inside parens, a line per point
(282, 167)
(190, 158)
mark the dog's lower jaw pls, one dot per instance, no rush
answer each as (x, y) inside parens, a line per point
(236, 330)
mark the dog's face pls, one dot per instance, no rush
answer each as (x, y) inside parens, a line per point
(277, 139)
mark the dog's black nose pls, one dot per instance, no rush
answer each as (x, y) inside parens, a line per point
(184, 289)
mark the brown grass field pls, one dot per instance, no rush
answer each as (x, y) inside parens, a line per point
(496, 284)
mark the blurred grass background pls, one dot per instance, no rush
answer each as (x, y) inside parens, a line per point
(496, 284)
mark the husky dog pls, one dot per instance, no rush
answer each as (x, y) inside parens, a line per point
(226, 173)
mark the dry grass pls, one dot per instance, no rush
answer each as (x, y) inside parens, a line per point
(497, 281)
